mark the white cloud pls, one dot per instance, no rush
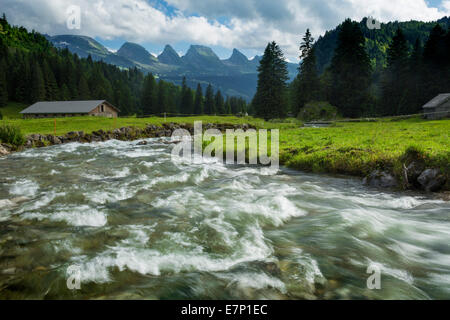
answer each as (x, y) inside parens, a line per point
(250, 24)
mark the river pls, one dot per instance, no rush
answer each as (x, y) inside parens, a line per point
(137, 224)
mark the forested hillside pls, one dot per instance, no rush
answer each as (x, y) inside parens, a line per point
(356, 82)
(32, 70)
(377, 41)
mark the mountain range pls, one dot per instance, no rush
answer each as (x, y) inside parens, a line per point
(236, 76)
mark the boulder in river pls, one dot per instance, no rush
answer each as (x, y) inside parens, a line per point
(413, 171)
(73, 135)
(432, 180)
(54, 140)
(142, 143)
(380, 179)
(3, 151)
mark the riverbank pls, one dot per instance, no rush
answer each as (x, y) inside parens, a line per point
(391, 154)
(140, 224)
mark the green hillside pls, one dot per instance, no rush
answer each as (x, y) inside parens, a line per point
(377, 41)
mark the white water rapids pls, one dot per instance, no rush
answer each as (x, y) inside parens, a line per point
(140, 225)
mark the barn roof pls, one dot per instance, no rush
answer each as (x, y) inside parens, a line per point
(65, 107)
(438, 100)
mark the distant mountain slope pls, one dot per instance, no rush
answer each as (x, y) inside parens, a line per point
(236, 76)
(137, 53)
(377, 41)
(170, 56)
(201, 59)
(85, 46)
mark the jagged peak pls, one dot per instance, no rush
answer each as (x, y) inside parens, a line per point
(169, 49)
(238, 57)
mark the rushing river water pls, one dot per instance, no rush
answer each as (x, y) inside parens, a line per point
(138, 225)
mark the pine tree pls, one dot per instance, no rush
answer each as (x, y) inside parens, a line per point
(270, 99)
(307, 85)
(436, 62)
(83, 89)
(23, 80)
(51, 87)
(415, 81)
(3, 84)
(162, 97)
(350, 71)
(187, 103)
(198, 104)
(209, 101)
(65, 93)
(149, 95)
(220, 103)
(37, 84)
(228, 107)
(395, 90)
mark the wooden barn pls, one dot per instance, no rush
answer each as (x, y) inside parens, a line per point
(438, 108)
(54, 109)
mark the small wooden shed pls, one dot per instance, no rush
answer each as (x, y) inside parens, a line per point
(438, 108)
(53, 109)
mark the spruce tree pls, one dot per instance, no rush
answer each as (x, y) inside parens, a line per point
(209, 101)
(220, 103)
(350, 72)
(37, 84)
(270, 99)
(162, 97)
(198, 104)
(187, 103)
(228, 110)
(395, 90)
(307, 85)
(149, 95)
(3, 84)
(415, 80)
(51, 87)
(64, 93)
(436, 61)
(83, 89)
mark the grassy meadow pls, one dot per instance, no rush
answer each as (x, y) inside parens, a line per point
(354, 148)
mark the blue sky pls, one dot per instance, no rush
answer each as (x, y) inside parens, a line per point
(247, 25)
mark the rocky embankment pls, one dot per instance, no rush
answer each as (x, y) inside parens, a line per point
(414, 176)
(124, 134)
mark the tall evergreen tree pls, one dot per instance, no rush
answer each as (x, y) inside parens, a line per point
(416, 97)
(198, 104)
(307, 84)
(228, 107)
(37, 84)
(350, 71)
(270, 100)
(209, 101)
(51, 87)
(3, 84)
(162, 97)
(436, 63)
(64, 93)
(395, 89)
(220, 103)
(83, 89)
(187, 103)
(149, 94)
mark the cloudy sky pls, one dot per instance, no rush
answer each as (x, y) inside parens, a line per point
(221, 24)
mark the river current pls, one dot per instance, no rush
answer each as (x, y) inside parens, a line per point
(137, 224)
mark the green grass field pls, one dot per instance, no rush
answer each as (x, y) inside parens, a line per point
(12, 110)
(346, 147)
